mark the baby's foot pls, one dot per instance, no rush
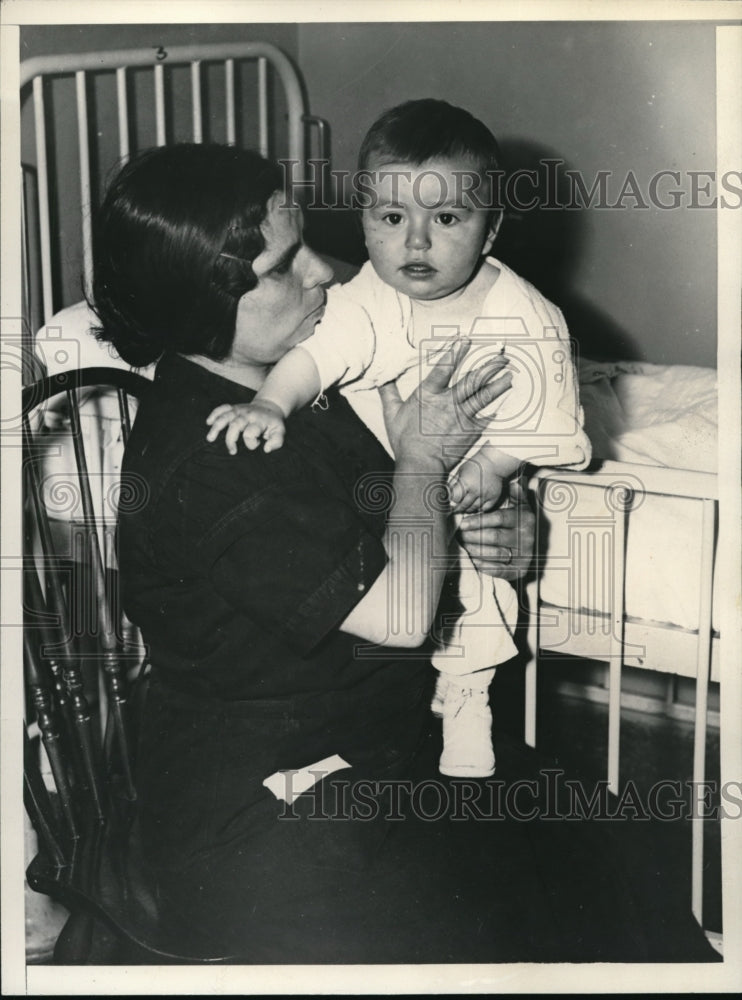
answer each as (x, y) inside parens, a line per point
(467, 733)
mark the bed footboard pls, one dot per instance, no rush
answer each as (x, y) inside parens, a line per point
(579, 599)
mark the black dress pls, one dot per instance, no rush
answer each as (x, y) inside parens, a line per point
(238, 571)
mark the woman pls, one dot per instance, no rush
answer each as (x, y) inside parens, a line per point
(284, 599)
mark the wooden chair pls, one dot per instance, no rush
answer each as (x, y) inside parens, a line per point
(86, 675)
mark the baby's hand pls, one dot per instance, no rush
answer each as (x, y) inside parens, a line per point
(476, 486)
(253, 421)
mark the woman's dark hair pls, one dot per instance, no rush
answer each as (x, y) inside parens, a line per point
(418, 131)
(174, 242)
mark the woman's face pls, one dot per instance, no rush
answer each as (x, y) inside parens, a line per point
(289, 299)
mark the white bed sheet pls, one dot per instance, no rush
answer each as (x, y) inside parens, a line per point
(651, 414)
(645, 414)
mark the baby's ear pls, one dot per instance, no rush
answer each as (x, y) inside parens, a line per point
(494, 227)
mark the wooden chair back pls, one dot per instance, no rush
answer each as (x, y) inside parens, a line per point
(85, 672)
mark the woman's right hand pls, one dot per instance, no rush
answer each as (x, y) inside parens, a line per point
(439, 422)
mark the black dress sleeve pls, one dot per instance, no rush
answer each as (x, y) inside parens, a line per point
(284, 542)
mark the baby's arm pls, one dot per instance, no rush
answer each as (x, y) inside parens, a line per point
(478, 483)
(339, 351)
(293, 382)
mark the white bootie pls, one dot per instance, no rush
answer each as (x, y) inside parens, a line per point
(467, 732)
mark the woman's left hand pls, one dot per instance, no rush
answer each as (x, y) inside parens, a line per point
(501, 542)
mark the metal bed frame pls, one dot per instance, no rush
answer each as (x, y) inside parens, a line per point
(265, 55)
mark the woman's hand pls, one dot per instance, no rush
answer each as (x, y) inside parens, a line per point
(501, 542)
(438, 424)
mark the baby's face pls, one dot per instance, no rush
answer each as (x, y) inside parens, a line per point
(424, 231)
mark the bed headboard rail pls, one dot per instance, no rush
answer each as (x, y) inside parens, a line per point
(37, 70)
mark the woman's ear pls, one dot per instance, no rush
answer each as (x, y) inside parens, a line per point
(493, 231)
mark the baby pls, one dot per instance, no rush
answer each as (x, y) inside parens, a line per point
(429, 222)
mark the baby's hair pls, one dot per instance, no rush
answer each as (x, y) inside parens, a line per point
(419, 131)
(175, 239)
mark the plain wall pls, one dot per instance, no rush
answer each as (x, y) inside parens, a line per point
(633, 283)
(37, 40)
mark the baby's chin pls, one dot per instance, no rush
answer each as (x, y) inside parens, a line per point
(429, 295)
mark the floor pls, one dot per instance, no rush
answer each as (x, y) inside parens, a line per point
(572, 735)
(654, 749)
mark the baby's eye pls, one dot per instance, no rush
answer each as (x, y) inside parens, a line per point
(393, 218)
(447, 219)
